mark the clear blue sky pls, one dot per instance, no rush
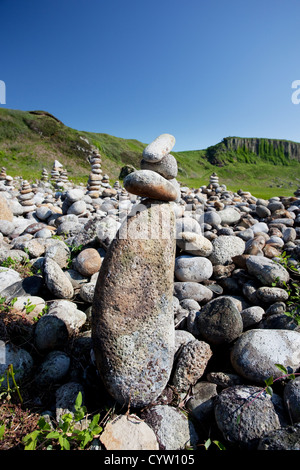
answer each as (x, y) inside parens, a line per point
(200, 70)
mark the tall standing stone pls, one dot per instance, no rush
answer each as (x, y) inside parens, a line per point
(132, 320)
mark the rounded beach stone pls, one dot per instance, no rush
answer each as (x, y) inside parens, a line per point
(244, 424)
(194, 243)
(50, 333)
(53, 369)
(193, 268)
(132, 314)
(252, 315)
(220, 321)
(147, 183)
(21, 360)
(267, 271)
(88, 262)
(256, 352)
(166, 167)
(192, 290)
(56, 280)
(225, 247)
(285, 438)
(272, 294)
(160, 147)
(229, 216)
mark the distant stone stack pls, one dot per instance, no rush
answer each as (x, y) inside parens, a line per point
(45, 175)
(26, 197)
(94, 189)
(117, 186)
(64, 177)
(214, 181)
(297, 193)
(9, 181)
(55, 172)
(3, 174)
(105, 181)
(123, 196)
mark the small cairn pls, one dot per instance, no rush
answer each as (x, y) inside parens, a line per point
(45, 175)
(214, 181)
(55, 172)
(64, 177)
(94, 182)
(3, 174)
(26, 197)
(9, 181)
(105, 181)
(117, 186)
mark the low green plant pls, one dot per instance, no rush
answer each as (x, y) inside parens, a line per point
(74, 251)
(66, 433)
(5, 306)
(209, 442)
(9, 374)
(43, 312)
(292, 287)
(29, 307)
(23, 266)
(2, 431)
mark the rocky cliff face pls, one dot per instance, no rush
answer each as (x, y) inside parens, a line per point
(261, 147)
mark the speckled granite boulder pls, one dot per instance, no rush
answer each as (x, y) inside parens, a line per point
(132, 316)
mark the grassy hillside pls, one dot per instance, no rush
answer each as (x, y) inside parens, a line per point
(30, 141)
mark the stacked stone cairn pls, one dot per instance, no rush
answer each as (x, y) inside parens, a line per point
(45, 175)
(214, 181)
(55, 172)
(26, 196)
(105, 181)
(3, 174)
(94, 189)
(63, 180)
(126, 317)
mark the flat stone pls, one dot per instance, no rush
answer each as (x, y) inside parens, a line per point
(194, 243)
(159, 148)
(267, 271)
(192, 290)
(147, 183)
(174, 431)
(128, 432)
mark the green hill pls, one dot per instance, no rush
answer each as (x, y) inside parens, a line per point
(32, 140)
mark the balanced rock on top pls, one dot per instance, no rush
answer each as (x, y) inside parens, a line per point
(156, 179)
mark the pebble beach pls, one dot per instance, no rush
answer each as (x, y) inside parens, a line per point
(166, 302)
